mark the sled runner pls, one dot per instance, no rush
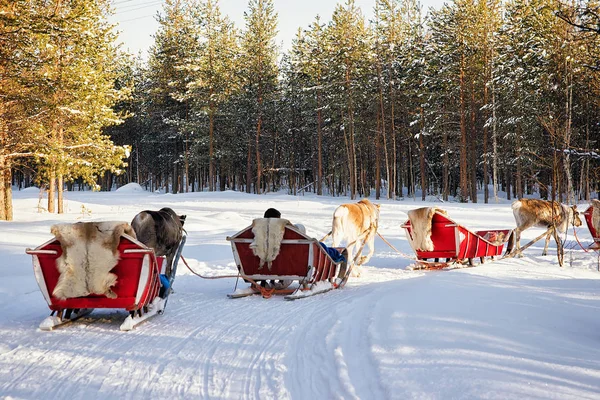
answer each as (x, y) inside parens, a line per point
(453, 243)
(302, 268)
(139, 287)
(589, 219)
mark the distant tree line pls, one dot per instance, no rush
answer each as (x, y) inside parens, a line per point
(473, 99)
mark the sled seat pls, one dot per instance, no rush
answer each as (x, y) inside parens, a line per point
(588, 214)
(301, 259)
(137, 287)
(456, 243)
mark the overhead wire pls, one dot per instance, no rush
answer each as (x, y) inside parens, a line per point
(137, 7)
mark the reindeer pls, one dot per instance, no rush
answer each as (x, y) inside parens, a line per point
(554, 216)
(356, 223)
(162, 230)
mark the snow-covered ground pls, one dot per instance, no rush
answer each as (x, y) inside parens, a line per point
(511, 329)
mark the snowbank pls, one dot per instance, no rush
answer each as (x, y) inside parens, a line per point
(130, 188)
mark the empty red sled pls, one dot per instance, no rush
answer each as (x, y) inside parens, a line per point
(455, 243)
(137, 287)
(301, 260)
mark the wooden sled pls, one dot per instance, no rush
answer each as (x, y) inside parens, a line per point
(589, 221)
(302, 268)
(138, 286)
(453, 243)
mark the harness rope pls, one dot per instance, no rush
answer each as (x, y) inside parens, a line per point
(264, 291)
(579, 243)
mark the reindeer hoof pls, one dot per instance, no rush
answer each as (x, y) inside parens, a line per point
(544, 253)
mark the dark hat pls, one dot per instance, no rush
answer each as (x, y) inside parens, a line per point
(272, 213)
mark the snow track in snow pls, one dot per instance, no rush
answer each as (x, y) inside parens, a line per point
(509, 329)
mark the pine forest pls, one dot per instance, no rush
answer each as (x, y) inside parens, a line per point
(472, 101)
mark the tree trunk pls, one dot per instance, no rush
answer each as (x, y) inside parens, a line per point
(494, 146)
(258, 188)
(567, 138)
(463, 137)
(473, 143)
(446, 166)
(175, 181)
(422, 158)
(6, 213)
(319, 145)
(51, 190)
(377, 160)
(383, 133)
(393, 180)
(486, 190)
(353, 176)
(249, 166)
(59, 191)
(519, 175)
(211, 151)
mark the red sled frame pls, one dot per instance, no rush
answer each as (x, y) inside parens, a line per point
(595, 234)
(455, 243)
(137, 287)
(300, 258)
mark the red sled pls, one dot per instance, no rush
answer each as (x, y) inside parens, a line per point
(453, 243)
(302, 268)
(137, 288)
(588, 213)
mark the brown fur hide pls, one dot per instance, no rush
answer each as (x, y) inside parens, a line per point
(89, 252)
(268, 233)
(495, 238)
(596, 215)
(420, 222)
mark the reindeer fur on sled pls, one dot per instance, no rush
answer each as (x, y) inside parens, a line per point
(268, 234)
(421, 223)
(596, 215)
(89, 252)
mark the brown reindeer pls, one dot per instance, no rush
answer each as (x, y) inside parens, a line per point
(543, 213)
(356, 223)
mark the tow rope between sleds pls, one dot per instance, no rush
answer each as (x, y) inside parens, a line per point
(580, 245)
(264, 291)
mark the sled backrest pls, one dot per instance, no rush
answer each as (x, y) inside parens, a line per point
(444, 235)
(298, 253)
(135, 272)
(589, 220)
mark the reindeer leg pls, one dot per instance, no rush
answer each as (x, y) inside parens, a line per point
(518, 243)
(371, 243)
(559, 247)
(545, 252)
(351, 262)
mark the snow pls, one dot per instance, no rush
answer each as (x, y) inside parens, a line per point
(130, 188)
(510, 329)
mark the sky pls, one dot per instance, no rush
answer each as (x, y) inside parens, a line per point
(136, 19)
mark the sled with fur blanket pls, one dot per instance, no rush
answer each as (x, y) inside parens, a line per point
(442, 242)
(276, 257)
(592, 219)
(98, 265)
